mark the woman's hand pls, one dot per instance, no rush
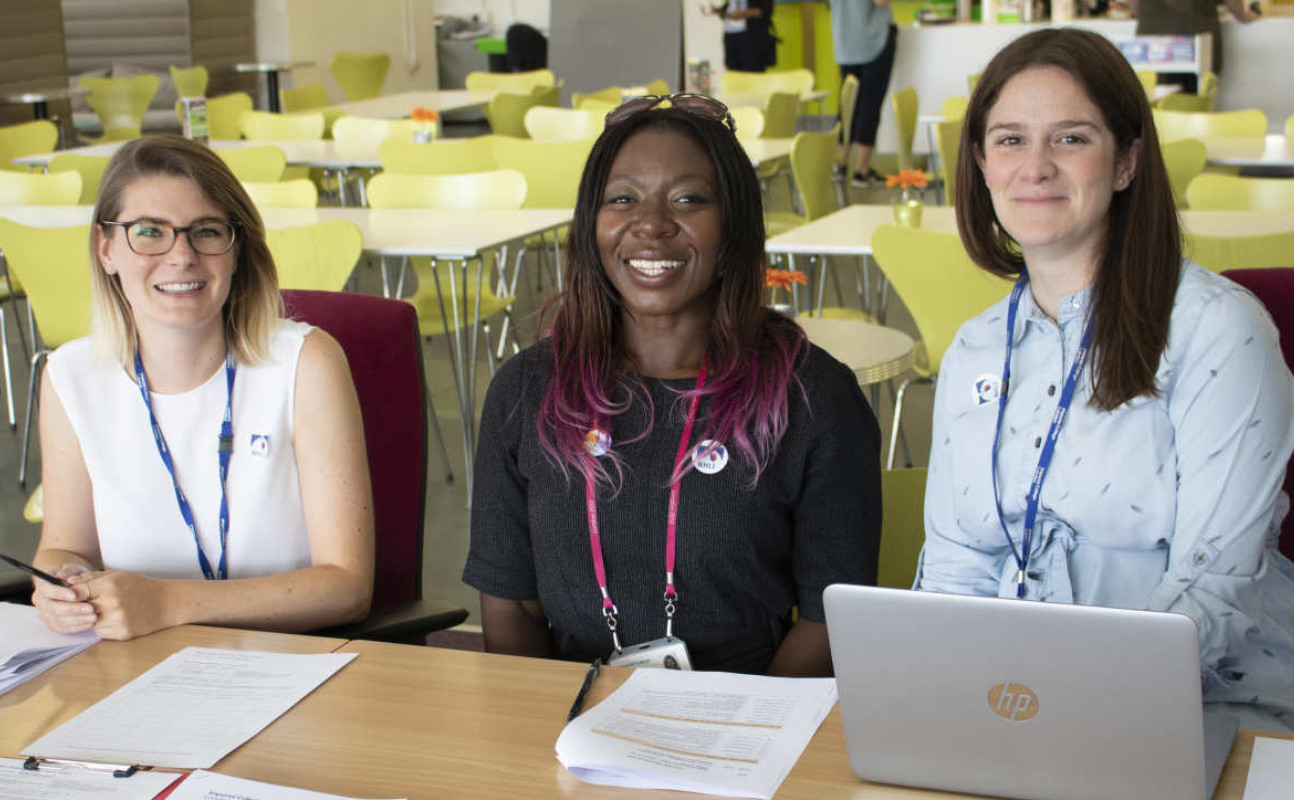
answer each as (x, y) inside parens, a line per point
(63, 609)
(127, 604)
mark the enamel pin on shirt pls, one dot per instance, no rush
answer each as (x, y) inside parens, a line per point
(597, 442)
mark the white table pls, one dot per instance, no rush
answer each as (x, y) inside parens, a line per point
(399, 106)
(874, 352)
(1271, 151)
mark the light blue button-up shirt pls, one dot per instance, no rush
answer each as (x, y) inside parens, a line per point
(1167, 503)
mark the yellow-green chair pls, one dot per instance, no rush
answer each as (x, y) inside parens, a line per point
(506, 111)
(321, 256)
(190, 81)
(306, 98)
(26, 139)
(658, 87)
(34, 510)
(552, 124)
(54, 267)
(1204, 101)
(264, 126)
(904, 105)
(509, 81)
(749, 121)
(903, 527)
(552, 169)
(1184, 159)
(1173, 125)
(954, 108)
(1211, 192)
(812, 156)
(1149, 79)
(780, 112)
(120, 103)
(611, 94)
(349, 129)
(1221, 253)
(360, 75)
(972, 80)
(89, 168)
(500, 188)
(941, 287)
(793, 81)
(27, 189)
(264, 163)
(948, 139)
(299, 193)
(441, 157)
(223, 114)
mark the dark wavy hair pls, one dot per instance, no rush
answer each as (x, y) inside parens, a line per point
(1136, 279)
(751, 352)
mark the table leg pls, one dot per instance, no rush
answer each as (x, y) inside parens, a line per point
(41, 109)
(932, 159)
(272, 83)
(454, 345)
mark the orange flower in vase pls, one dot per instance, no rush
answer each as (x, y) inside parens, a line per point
(907, 211)
(782, 279)
(428, 120)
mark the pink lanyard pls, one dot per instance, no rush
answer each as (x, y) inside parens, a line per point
(609, 610)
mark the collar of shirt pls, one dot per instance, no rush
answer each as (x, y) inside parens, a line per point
(1073, 306)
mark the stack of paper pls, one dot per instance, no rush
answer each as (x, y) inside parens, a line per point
(28, 648)
(708, 732)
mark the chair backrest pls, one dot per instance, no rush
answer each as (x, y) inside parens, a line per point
(611, 94)
(948, 137)
(382, 345)
(552, 169)
(306, 98)
(780, 112)
(441, 157)
(90, 168)
(793, 81)
(1201, 124)
(506, 111)
(1275, 288)
(1213, 192)
(360, 75)
(265, 126)
(749, 121)
(264, 163)
(39, 189)
(1181, 101)
(299, 193)
(509, 81)
(26, 139)
(1149, 80)
(972, 80)
(904, 105)
(552, 124)
(500, 188)
(1220, 253)
(903, 528)
(120, 102)
(812, 156)
(319, 256)
(1184, 159)
(350, 128)
(938, 282)
(954, 108)
(190, 81)
(658, 86)
(53, 265)
(224, 113)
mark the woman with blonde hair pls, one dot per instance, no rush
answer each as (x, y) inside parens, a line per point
(203, 459)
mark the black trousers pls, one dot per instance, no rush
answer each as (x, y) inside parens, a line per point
(873, 84)
(747, 51)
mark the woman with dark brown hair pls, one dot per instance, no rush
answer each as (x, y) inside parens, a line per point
(673, 463)
(1115, 432)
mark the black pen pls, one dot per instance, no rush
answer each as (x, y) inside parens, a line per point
(28, 568)
(578, 705)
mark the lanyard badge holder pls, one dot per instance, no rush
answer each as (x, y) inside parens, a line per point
(1021, 555)
(669, 651)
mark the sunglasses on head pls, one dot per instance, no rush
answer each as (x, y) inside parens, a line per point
(698, 105)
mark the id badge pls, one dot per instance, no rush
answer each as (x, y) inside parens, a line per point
(664, 653)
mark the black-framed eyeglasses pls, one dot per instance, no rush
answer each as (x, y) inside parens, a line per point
(208, 237)
(698, 105)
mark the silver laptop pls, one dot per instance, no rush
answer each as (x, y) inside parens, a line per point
(1015, 698)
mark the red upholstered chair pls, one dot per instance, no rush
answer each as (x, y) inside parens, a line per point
(1275, 287)
(382, 344)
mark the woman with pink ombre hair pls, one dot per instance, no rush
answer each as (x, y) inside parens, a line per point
(673, 472)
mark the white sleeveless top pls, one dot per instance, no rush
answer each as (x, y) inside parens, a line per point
(135, 510)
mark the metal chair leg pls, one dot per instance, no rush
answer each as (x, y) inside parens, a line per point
(896, 431)
(8, 370)
(33, 393)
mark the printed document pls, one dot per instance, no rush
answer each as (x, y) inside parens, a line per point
(1271, 769)
(191, 710)
(203, 785)
(708, 732)
(53, 782)
(28, 648)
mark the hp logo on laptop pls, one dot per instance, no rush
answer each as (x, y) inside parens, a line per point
(1013, 701)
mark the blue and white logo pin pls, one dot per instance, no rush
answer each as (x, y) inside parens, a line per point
(260, 445)
(987, 389)
(710, 457)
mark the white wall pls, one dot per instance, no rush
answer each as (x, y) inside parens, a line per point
(502, 13)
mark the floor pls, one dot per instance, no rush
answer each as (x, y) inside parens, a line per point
(447, 511)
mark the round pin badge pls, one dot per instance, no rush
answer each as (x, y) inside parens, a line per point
(986, 388)
(710, 457)
(597, 442)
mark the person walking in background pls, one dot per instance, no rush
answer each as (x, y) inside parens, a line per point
(1187, 18)
(748, 42)
(863, 35)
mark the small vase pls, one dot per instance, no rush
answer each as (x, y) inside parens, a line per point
(426, 134)
(907, 211)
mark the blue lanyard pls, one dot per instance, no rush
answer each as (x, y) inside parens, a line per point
(226, 448)
(1021, 555)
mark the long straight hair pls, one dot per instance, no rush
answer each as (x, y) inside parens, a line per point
(1140, 263)
(751, 351)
